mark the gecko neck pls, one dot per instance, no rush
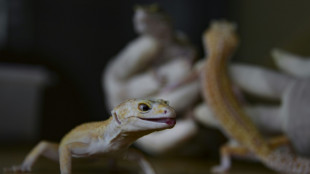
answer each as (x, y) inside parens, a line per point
(116, 135)
(218, 92)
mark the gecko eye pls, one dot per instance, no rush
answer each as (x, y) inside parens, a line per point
(144, 107)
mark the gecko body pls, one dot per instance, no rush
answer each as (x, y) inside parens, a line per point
(130, 120)
(220, 42)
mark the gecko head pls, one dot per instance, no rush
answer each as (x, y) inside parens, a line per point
(151, 19)
(139, 115)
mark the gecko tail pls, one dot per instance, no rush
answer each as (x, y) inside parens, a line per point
(287, 162)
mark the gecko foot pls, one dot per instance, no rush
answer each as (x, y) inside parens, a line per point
(220, 169)
(19, 169)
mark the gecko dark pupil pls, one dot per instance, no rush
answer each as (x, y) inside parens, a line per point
(144, 107)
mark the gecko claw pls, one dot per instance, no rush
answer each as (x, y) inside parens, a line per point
(220, 169)
(19, 169)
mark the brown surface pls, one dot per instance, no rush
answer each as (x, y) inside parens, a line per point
(171, 165)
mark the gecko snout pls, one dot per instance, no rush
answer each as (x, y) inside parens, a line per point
(168, 113)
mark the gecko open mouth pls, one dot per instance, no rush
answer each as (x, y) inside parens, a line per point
(169, 121)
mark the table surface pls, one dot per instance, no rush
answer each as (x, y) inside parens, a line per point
(10, 155)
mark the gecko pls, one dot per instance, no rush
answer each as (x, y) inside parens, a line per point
(220, 42)
(130, 120)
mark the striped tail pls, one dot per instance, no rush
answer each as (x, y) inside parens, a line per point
(287, 162)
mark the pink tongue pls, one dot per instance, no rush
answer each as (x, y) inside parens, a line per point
(169, 121)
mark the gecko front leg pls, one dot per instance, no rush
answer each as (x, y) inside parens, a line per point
(65, 153)
(227, 151)
(44, 148)
(232, 149)
(134, 155)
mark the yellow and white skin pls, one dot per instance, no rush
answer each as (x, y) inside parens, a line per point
(130, 120)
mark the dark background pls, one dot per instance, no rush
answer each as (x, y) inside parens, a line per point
(74, 39)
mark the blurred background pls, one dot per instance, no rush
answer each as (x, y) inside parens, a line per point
(52, 53)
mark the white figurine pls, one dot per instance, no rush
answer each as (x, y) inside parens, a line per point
(148, 67)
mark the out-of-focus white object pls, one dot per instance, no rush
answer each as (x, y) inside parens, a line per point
(290, 63)
(160, 142)
(20, 101)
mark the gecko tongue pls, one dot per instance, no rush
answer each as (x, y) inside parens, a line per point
(169, 121)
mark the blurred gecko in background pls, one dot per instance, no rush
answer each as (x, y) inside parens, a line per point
(130, 120)
(220, 43)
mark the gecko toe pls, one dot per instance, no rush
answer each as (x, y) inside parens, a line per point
(219, 169)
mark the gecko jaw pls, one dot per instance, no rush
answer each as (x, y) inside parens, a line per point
(166, 120)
